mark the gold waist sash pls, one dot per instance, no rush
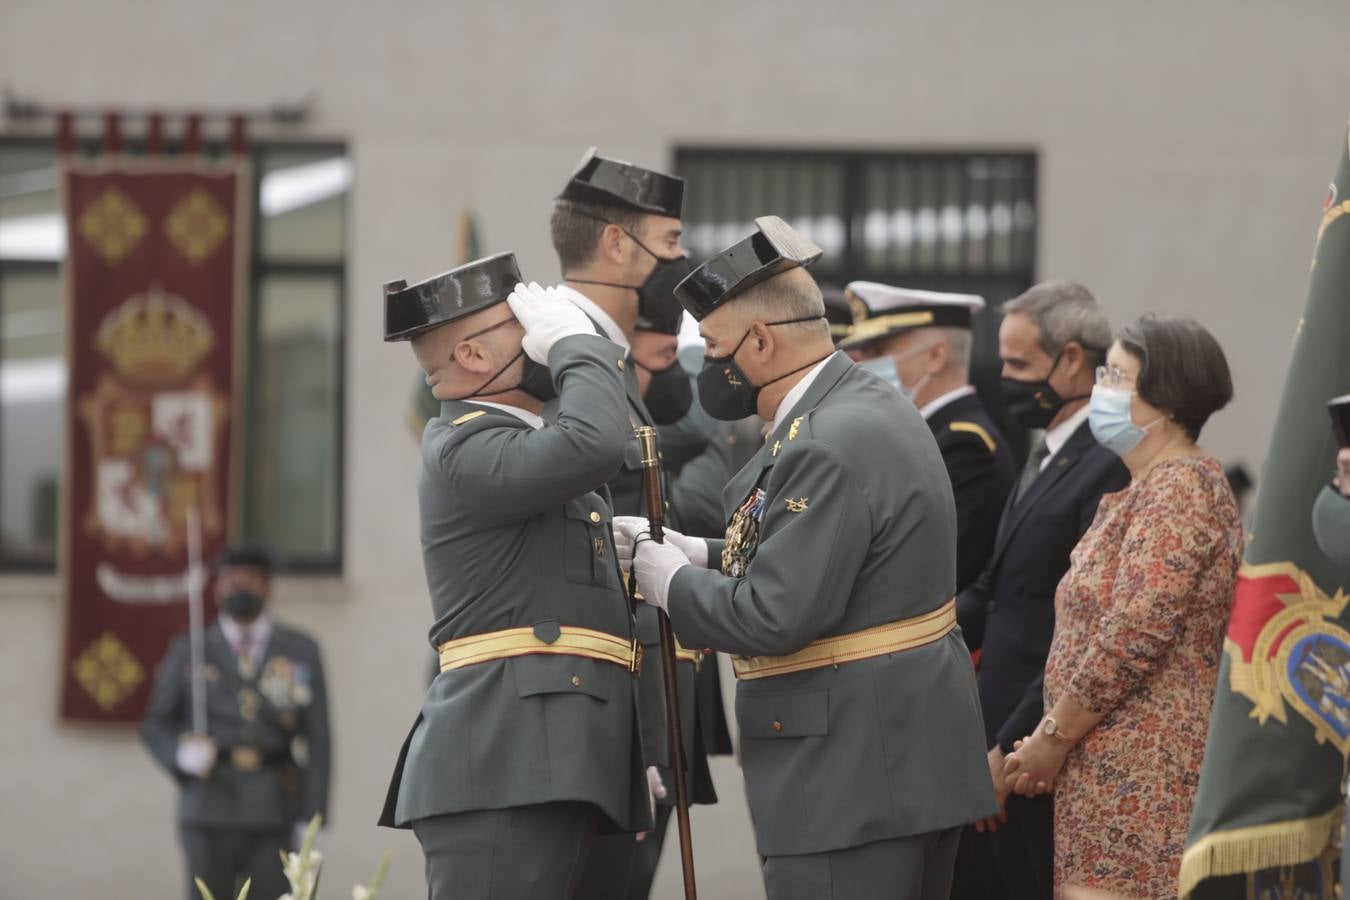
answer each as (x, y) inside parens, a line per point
(879, 641)
(686, 655)
(571, 641)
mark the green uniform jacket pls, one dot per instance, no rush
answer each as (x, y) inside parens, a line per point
(514, 534)
(277, 717)
(855, 528)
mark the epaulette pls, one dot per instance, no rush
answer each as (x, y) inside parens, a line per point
(468, 417)
(977, 430)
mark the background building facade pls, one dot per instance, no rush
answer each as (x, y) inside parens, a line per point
(1178, 157)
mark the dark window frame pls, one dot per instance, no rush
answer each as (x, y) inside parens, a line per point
(854, 164)
(260, 268)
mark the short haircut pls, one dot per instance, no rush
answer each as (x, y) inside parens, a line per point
(252, 555)
(575, 228)
(1182, 369)
(785, 297)
(1064, 312)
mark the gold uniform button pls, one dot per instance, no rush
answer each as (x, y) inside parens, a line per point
(595, 517)
(576, 681)
(777, 725)
(619, 363)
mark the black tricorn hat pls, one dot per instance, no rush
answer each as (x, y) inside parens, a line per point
(410, 311)
(610, 181)
(774, 248)
(658, 295)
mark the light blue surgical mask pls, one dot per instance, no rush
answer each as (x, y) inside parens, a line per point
(887, 369)
(884, 368)
(1111, 423)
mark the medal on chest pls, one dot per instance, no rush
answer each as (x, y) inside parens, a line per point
(743, 535)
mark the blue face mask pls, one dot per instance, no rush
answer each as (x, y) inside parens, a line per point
(884, 367)
(1110, 420)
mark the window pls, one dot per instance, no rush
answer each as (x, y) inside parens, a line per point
(292, 490)
(963, 222)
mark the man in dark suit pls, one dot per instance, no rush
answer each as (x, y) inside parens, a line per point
(1051, 341)
(919, 342)
(261, 769)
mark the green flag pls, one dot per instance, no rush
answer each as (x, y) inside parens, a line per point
(424, 406)
(1270, 795)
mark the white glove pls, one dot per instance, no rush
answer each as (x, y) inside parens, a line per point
(696, 549)
(196, 755)
(546, 318)
(623, 548)
(654, 565)
(656, 790)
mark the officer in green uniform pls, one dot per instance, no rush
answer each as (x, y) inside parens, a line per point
(861, 737)
(527, 744)
(920, 342)
(616, 228)
(261, 770)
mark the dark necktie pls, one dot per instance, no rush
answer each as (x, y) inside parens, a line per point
(1039, 451)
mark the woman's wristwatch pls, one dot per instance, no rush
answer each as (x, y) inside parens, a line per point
(1051, 729)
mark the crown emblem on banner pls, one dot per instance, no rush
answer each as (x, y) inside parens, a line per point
(154, 339)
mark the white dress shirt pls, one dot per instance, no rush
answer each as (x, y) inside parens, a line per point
(602, 318)
(1056, 437)
(933, 406)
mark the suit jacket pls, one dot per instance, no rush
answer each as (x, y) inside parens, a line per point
(1009, 613)
(982, 472)
(856, 527)
(278, 715)
(515, 534)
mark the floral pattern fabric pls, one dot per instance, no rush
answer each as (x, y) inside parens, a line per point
(1139, 625)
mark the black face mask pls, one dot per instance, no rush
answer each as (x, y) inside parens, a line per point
(535, 380)
(1035, 403)
(243, 606)
(669, 394)
(649, 302)
(723, 387)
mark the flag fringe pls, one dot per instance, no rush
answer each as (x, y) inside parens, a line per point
(1241, 850)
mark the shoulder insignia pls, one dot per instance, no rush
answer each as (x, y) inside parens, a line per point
(978, 431)
(797, 504)
(777, 445)
(794, 428)
(468, 417)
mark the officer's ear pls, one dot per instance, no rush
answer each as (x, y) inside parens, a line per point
(1073, 359)
(612, 244)
(761, 339)
(472, 356)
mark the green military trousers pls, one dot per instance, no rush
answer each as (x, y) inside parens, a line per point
(519, 853)
(908, 868)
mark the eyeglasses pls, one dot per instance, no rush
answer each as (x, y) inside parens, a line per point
(1110, 376)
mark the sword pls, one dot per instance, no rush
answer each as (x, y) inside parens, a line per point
(196, 622)
(651, 482)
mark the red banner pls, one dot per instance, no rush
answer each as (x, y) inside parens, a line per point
(155, 267)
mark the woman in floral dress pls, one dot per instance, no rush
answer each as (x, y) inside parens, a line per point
(1139, 625)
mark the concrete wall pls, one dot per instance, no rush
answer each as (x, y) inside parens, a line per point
(1185, 149)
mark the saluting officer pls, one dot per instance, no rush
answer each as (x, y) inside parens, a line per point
(527, 746)
(861, 738)
(262, 769)
(920, 341)
(616, 228)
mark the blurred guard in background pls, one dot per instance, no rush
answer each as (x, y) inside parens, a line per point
(262, 770)
(919, 341)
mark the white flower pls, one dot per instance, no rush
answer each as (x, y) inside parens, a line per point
(360, 892)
